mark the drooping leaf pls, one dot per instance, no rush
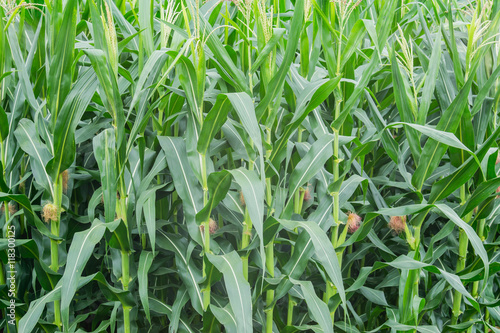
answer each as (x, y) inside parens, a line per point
(237, 287)
(81, 249)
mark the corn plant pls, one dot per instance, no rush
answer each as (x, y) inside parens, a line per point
(249, 165)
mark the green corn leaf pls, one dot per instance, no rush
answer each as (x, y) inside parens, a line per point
(313, 161)
(357, 92)
(105, 152)
(324, 251)
(61, 65)
(213, 123)
(407, 263)
(27, 136)
(449, 184)
(385, 22)
(221, 56)
(446, 138)
(145, 261)
(433, 151)
(97, 27)
(374, 296)
(126, 28)
(189, 82)
(28, 322)
(185, 182)
(452, 216)
(276, 85)
(112, 293)
(483, 93)
(108, 91)
(4, 125)
(162, 308)
(312, 97)
(69, 116)
(180, 300)
(253, 192)
(189, 274)
(218, 185)
(481, 193)
(118, 238)
(151, 70)
(243, 105)
(81, 248)
(146, 25)
(388, 141)
(3, 185)
(145, 206)
(226, 317)
(348, 187)
(31, 216)
(271, 44)
(317, 308)
(355, 38)
(150, 217)
(406, 106)
(237, 287)
(430, 80)
(25, 83)
(474, 239)
(304, 247)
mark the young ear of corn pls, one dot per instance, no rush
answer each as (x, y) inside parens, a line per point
(250, 165)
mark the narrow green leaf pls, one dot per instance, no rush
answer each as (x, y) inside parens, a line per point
(474, 239)
(374, 296)
(270, 45)
(446, 138)
(253, 192)
(118, 237)
(105, 152)
(309, 165)
(444, 187)
(4, 125)
(69, 116)
(311, 98)
(181, 298)
(28, 322)
(27, 137)
(356, 36)
(316, 307)
(145, 261)
(61, 64)
(430, 80)
(480, 194)
(213, 122)
(108, 91)
(276, 85)
(188, 272)
(406, 106)
(146, 25)
(218, 184)
(185, 182)
(237, 287)
(357, 92)
(433, 151)
(81, 249)
(324, 251)
(25, 83)
(226, 317)
(221, 56)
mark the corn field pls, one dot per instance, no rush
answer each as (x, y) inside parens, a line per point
(249, 166)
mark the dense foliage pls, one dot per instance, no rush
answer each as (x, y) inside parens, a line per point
(249, 165)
